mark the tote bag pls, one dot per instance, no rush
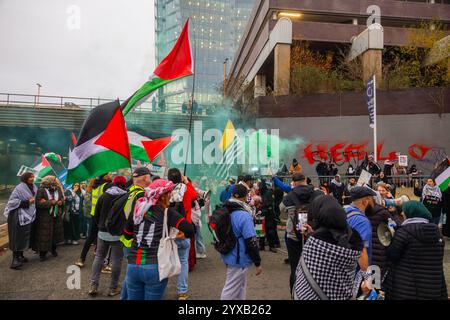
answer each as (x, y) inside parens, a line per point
(168, 260)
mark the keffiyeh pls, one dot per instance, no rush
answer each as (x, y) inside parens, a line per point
(152, 194)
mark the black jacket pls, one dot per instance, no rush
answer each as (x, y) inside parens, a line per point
(416, 264)
(378, 215)
(104, 205)
(337, 191)
(322, 169)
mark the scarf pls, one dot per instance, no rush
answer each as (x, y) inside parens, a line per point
(21, 193)
(241, 205)
(55, 196)
(178, 192)
(152, 194)
(336, 183)
(415, 220)
(332, 267)
(431, 191)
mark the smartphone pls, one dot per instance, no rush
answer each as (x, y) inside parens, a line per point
(302, 220)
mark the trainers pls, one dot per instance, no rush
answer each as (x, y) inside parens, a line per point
(200, 255)
(114, 292)
(74, 242)
(106, 269)
(80, 263)
(183, 296)
(93, 291)
(273, 250)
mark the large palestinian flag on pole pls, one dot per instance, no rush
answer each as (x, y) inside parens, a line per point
(102, 146)
(178, 64)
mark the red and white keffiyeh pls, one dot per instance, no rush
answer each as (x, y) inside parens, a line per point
(152, 194)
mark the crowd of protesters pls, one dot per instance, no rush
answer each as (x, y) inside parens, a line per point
(332, 233)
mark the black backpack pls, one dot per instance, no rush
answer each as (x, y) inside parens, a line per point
(301, 210)
(117, 218)
(220, 225)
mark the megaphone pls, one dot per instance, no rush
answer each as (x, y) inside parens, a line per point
(203, 194)
(385, 234)
(396, 202)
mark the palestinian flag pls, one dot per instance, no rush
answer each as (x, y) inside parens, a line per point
(178, 64)
(42, 169)
(102, 145)
(155, 147)
(136, 147)
(442, 175)
(53, 156)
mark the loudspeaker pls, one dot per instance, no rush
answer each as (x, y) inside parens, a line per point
(385, 234)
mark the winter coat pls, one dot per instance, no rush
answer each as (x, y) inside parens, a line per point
(104, 205)
(48, 227)
(337, 190)
(322, 169)
(378, 215)
(416, 263)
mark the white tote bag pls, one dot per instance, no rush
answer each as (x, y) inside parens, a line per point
(168, 260)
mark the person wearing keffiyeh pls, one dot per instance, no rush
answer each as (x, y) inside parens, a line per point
(330, 254)
(49, 225)
(21, 212)
(146, 229)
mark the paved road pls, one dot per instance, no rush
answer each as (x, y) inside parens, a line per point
(47, 280)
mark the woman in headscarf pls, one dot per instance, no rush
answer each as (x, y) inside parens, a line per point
(21, 212)
(327, 268)
(295, 167)
(415, 258)
(73, 212)
(432, 199)
(49, 226)
(146, 228)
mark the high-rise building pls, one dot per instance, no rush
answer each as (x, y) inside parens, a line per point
(216, 28)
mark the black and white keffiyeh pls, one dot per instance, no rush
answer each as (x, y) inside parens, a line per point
(21, 193)
(332, 267)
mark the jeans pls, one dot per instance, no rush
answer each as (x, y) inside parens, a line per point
(199, 244)
(143, 282)
(124, 293)
(88, 225)
(116, 257)
(183, 252)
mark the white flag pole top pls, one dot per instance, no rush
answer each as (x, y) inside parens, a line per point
(375, 155)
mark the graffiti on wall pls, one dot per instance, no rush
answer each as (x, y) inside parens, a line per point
(353, 153)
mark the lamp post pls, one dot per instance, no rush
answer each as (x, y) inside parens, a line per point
(38, 94)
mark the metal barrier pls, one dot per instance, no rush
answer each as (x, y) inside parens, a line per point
(407, 181)
(74, 103)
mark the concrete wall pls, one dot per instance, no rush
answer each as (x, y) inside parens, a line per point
(427, 136)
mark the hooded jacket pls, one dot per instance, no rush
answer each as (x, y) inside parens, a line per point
(105, 204)
(304, 195)
(416, 263)
(337, 190)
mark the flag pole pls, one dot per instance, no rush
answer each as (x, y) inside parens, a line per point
(375, 155)
(192, 107)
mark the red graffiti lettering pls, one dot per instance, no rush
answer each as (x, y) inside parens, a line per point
(423, 149)
(336, 154)
(307, 153)
(322, 150)
(355, 151)
(392, 155)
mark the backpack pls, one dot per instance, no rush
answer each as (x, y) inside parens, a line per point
(120, 210)
(220, 224)
(178, 207)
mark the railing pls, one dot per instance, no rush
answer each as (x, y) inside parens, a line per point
(407, 181)
(79, 103)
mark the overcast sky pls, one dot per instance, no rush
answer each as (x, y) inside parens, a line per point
(86, 48)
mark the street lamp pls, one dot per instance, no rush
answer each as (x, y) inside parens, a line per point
(38, 94)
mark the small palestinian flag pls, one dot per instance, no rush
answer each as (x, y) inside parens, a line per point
(42, 169)
(442, 175)
(136, 147)
(102, 145)
(178, 64)
(155, 147)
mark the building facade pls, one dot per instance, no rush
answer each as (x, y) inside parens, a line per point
(215, 32)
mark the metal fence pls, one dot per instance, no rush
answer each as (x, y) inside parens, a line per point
(408, 181)
(79, 103)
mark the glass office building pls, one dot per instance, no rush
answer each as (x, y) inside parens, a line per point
(216, 28)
